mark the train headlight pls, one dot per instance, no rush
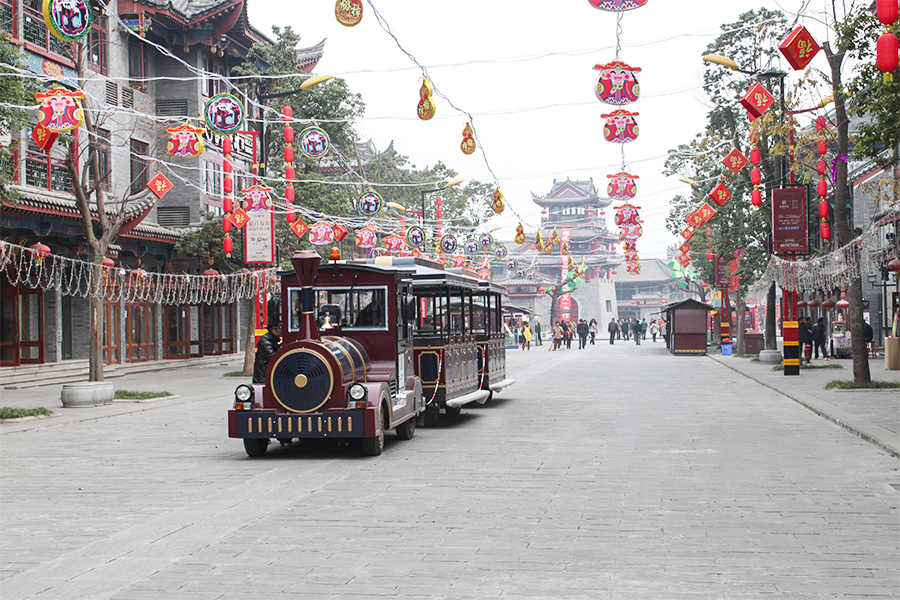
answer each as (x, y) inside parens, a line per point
(357, 391)
(243, 397)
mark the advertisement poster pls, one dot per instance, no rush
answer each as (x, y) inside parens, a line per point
(259, 238)
(789, 221)
(723, 272)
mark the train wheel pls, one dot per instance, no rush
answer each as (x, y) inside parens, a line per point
(452, 411)
(373, 446)
(256, 446)
(432, 415)
(407, 429)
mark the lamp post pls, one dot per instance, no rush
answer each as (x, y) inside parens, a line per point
(451, 184)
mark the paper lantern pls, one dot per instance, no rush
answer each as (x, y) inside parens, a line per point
(39, 251)
(755, 156)
(799, 48)
(824, 231)
(288, 154)
(68, 20)
(757, 99)
(828, 304)
(468, 142)
(823, 209)
(822, 188)
(370, 204)
(314, 142)
(228, 245)
(617, 84)
(288, 134)
(755, 176)
(321, 233)
(349, 13)
(448, 244)
(801, 304)
(821, 168)
(886, 11)
(620, 126)
(227, 185)
(886, 57)
(843, 304)
(60, 109)
(822, 146)
(622, 186)
(224, 115)
(185, 141)
(291, 215)
(289, 193)
(426, 107)
(617, 5)
(226, 226)
(813, 303)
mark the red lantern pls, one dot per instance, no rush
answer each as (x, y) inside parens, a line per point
(288, 154)
(756, 198)
(820, 124)
(289, 173)
(755, 156)
(843, 304)
(821, 168)
(228, 204)
(210, 273)
(228, 185)
(288, 134)
(813, 303)
(755, 176)
(39, 251)
(107, 263)
(894, 265)
(822, 146)
(824, 232)
(288, 112)
(801, 304)
(289, 193)
(228, 245)
(886, 10)
(822, 188)
(828, 304)
(226, 225)
(291, 215)
(709, 255)
(226, 145)
(823, 209)
(886, 57)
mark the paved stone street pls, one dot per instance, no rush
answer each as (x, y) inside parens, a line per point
(616, 472)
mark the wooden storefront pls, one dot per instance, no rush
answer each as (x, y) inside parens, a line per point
(686, 322)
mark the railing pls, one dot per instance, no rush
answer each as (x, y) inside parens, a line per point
(35, 32)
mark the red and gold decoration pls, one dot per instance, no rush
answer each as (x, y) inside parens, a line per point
(340, 232)
(39, 252)
(468, 142)
(620, 127)
(757, 100)
(239, 217)
(497, 205)
(258, 197)
(394, 243)
(224, 114)
(289, 173)
(799, 48)
(617, 5)
(367, 237)
(687, 234)
(720, 194)
(68, 20)
(520, 234)
(299, 228)
(60, 109)
(185, 141)
(43, 137)
(348, 12)
(822, 184)
(622, 186)
(321, 233)
(755, 174)
(160, 185)
(426, 107)
(735, 161)
(886, 51)
(617, 84)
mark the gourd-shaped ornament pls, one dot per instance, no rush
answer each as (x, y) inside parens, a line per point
(426, 108)
(468, 142)
(497, 205)
(520, 234)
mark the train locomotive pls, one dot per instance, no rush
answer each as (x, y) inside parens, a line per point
(345, 370)
(370, 346)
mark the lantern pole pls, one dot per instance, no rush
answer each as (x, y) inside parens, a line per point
(451, 184)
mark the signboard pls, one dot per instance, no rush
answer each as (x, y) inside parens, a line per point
(789, 221)
(723, 272)
(259, 238)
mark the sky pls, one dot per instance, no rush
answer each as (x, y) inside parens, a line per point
(524, 71)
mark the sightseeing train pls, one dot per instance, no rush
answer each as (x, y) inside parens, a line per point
(370, 346)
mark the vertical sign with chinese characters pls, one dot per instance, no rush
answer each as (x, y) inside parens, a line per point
(565, 301)
(259, 238)
(723, 272)
(789, 221)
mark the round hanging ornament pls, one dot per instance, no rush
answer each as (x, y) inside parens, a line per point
(348, 12)
(68, 20)
(224, 114)
(370, 204)
(471, 246)
(486, 240)
(448, 243)
(512, 264)
(415, 237)
(314, 142)
(501, 252)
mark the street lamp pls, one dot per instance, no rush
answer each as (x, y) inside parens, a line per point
(451, 184)
(264, 146)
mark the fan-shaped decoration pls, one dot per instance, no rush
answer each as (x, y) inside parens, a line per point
(224, 114)
(617, 5)
(61, 109)
(448, 243)
(468, 142)
(620, 127)
(348, 12)
(370, 204)
(367, 237)
(621, 186)
(617, 84)
(257, 197)
(314, 142)
(68, 20)
(185, 141)
(321, 233)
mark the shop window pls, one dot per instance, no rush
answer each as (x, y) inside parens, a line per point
(103, 160)
(213, 78)
(38, 37)
(137, 66)
(45, 171)
(98, 47)
(7, 17)
(138, 166)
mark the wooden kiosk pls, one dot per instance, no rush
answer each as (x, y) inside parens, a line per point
(686, 325)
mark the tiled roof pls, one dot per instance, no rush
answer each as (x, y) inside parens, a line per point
(571, 192)
(652, 270)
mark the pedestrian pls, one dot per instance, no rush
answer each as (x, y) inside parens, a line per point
(527, 333)
(557, 336)
(624, 328)
(636, 331)
(802, 334)
(570, 332)
(582, 333)
(664, 330)
(592, 329)
(613, 329)
(654, 329)
(870, 336)
(537, 334)
(266, 347)
(808, 326)
(522, 338)
(819, 332)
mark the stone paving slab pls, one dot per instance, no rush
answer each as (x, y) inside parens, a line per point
(614, 472)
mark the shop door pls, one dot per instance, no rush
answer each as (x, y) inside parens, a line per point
(176, 332)
(110, 347)
(31, 326)
(140, 332)
(9, 327)
(212, 330)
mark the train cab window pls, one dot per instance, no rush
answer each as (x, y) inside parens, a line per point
(459, 313)
(431, 315)
(357, 308)
(480, 309)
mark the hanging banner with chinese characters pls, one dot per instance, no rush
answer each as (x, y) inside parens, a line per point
(259, 238)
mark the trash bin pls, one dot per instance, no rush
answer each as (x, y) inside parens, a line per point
(754, 342)
(726, 349)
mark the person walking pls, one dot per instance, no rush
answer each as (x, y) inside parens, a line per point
(818, 335)
(654, 329)
(636, 331)
(522, 338)
(582, 330)
(802, 334)
(569, 334)
(613, 329)
(527, 333)
(557, 337)
(537, 334)
(592, 329)
(624, 328)
(807, 350)
(664, 331)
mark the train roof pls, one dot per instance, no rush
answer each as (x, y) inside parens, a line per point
(367, 265)
(429, 272)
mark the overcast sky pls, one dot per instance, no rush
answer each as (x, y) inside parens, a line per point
(524, 70)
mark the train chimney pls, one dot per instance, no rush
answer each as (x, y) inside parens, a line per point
(306, 265)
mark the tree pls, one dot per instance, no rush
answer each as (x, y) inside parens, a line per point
(14, 92)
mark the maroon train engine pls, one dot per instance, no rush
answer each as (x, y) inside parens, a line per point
(345, 371)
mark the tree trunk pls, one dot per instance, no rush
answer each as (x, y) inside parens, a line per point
(250, 346)
(861, 372)
(771, 328)
(95, 368)
(740, 307)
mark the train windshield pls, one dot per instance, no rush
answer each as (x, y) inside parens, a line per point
(362, 308)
